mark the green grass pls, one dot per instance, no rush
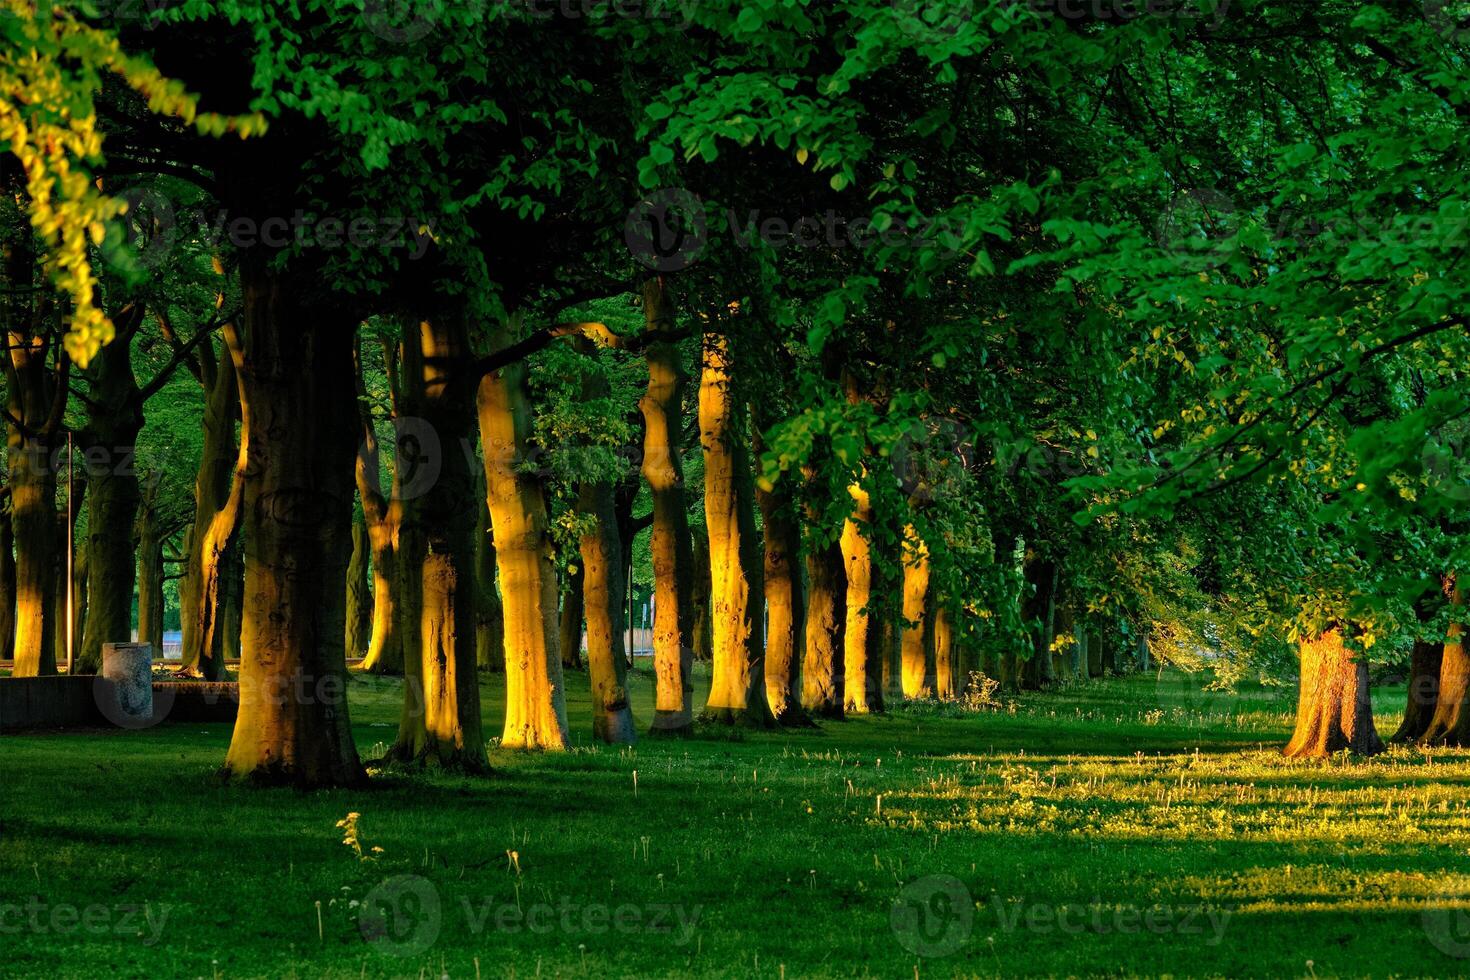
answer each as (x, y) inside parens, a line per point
(1138, 802)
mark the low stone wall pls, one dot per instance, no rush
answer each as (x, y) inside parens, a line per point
(85, 701)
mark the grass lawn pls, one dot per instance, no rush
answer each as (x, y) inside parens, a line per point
(1133, 826)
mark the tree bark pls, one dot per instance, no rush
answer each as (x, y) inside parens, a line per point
(941, 633)
(917, 673)
(737, 681)
(703, 643)
(440, 725)
(489, 618)
(150, 580)
(863, 648)
(32, 478)
(217, 499)
(1040, 611)
(605, 595)
(295, 466)
(573, 614)
(1425, 665)
(359, 594)
(674, 572)
(535, 715)
(7, 586)
(1334, 711)
(114, 419)
(785, 605)
(823, 662)
(382, 514)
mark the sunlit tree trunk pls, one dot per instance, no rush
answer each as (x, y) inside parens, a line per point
(573, 613)
(489, 619)
(737, 682)
(382, 515)
(823, 659)
(674, 571)
(703, 642)
(1333, 707)
(605, 593)
(359, 594)
(863, 648)
(785, 605)
(33, 392)
(297, 404)
(916, 671)
(941, 642)
(535, 715)
(217, 499)
(440, 724)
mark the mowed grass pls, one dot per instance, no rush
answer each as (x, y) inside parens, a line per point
(1156, 819)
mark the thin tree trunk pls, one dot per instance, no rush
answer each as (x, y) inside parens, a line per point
(941, 634)
(674, 572)
(150, 580)
(382, 514)
(703, 642)
(605, 593)
(823, 662)
(7, 586)
(863, 648)
(297, 405)
(216, 520)
(359, 593)
(1040, 608)
(1333, 707)
(440, 724)
(737, 681)
(573, 614)
(917, 674)
(535, 715)
(489, 618)
(785, 605)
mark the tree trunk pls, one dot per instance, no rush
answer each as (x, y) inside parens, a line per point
(1040, 612)
(941, 634)
(382, 514)
(703, 643)
(573, 614)
(863, 649)
(1425, 665)
(150, 581)
(33, 517)
(297, 405)
(489, 619)
(359, 594)
(917, 674)
(1333, 707)
(674, 571)
(217, 499)
(823, 665)
(737, 681)
(7, 586)
(785, 605)
(535, 715)
(440, 724)
(605, 593)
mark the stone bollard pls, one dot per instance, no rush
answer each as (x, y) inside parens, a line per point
(127, 670)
